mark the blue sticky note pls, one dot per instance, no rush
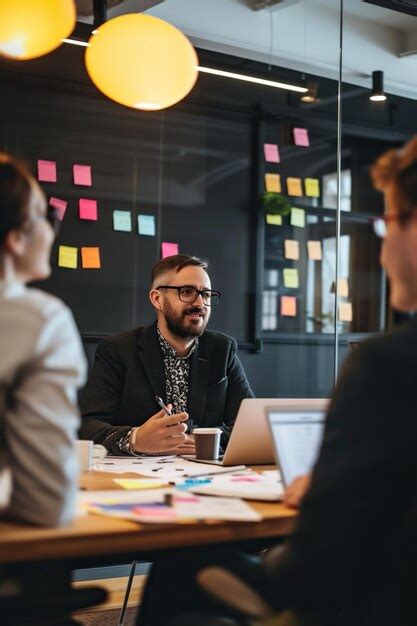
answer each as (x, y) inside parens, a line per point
(146, 225)
(122, 220)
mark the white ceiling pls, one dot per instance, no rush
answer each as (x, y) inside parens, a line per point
(306, 36)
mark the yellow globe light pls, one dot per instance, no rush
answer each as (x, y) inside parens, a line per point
(32, 28)
(142, 62)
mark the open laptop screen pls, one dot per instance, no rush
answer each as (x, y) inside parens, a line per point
(297, 437)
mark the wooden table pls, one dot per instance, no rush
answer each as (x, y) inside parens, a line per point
(95, 536)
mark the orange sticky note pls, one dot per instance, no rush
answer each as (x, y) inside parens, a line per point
(288, 306)
(312, 187)
(314, 250)
(294, 187)
(345, 312)
(273, 182)
(292, 249)
(342, 288)
(90, 258)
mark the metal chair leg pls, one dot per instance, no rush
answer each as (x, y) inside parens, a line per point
(127, 594)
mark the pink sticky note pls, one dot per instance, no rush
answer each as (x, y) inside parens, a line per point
(169, 249)
(47, 171)
(87, 209)
(60, 206)
(301, 137)
(271, 153)
(82, 175)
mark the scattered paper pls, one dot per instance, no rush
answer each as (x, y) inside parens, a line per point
(122, 221)
(139, 483)
(301, 137)
(68, 257)
(82, 175)
(314, 250)
(345, 312)
(294, 187)
(87, 209)
(146, 225)
(271, 153)
(288, 306)
(169, 249)
(298, 217)
(342, 288)
(47, 171)
(251, 487)
(273, 183)
(60, 206)
(312, 187)
(291, 278)
(274, 220)
(291, 249)
(90, 258)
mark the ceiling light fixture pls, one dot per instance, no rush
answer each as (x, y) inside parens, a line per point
(252, 79)
(377, 94)
(75, 42)
(31, 29)
(311, 95)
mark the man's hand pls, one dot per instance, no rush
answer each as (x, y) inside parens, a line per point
(188, 447)
(161, 433)
(296, 491)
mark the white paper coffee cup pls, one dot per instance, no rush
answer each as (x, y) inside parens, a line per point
(88, 452)
(207, 443)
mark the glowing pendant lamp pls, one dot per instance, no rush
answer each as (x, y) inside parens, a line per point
(32, 28)
(141, 61)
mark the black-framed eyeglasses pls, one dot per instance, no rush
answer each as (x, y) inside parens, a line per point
(189, 294)
(379, 223)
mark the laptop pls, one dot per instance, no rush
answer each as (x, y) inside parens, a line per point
(250, 440)
(296, 429)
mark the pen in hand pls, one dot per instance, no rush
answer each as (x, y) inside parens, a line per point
(163, 406)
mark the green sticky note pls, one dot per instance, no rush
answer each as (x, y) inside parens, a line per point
(275, 220)
(298, 217)
(122, 220)
(291, 278)
(146, 225)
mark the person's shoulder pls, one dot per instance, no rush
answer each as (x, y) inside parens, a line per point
(213, 339)
(122, 341)
(42, 306)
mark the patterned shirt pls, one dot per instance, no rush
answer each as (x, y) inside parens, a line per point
(177, 371)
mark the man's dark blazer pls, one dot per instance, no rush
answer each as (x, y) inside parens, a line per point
(128, 373)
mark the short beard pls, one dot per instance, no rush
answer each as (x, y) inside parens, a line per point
(175, 324)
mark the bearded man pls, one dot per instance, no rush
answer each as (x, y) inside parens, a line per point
(196, 372)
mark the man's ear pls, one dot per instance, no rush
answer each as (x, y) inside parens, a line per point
(155, 297)
(15, 243)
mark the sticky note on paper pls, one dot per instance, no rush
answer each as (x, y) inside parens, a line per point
(314, 250)
(60, 206)
(87, 209)
(271, 153)
(298, 217)
(169, 249)
(146, 225)
(68, 257)
(273, 182)
(139, 483)
(345, 312)
(47, 171)
(288, 306)
(301, 137)
(312, 187)
(82, 175)
(122, 220)
(275, 220)
(342, 288)
(291, 249)
(291, 278)
(90, 258)
(294, 187)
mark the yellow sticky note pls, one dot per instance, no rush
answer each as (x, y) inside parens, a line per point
(314, 250)
(289, 306)
(345, 312)
(90, 258)
(275, 220)
(68, 257)
(312, 187)
(291, 278)
(294, 187)
(298, 217)
(291, 249)
(273, 182)
(139, 483)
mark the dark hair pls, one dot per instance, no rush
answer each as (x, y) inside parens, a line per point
(176, 262)
(398, 167)
(15, 189)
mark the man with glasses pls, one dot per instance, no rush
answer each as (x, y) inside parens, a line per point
(195, 372)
